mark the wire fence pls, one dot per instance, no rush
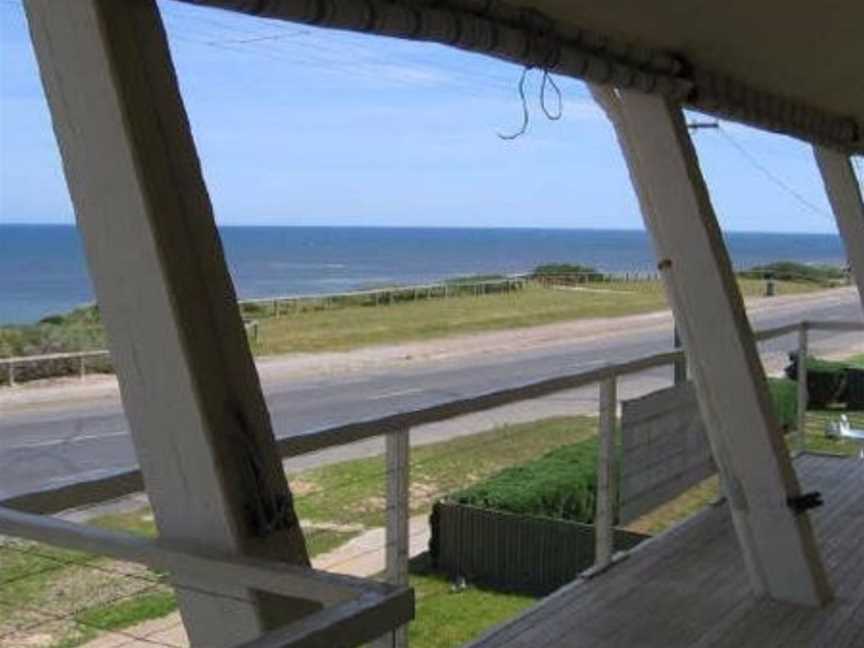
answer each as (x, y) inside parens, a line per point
(92, 360)
(87, 595)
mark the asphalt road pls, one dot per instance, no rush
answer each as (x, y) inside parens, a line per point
(51, 448)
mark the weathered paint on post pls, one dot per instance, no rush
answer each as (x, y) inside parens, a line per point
(190, 390)
(801, 431)
(398, 451)
(606, 485)
(844, 194)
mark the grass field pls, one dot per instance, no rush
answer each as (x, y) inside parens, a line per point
(354, 326)
(335, 502)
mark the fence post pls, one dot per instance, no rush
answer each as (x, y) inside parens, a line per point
(606, 484)
(802, 387)
(398, 446)
(11, 374)
(82, 367)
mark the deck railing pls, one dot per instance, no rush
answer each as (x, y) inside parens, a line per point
(396, 428)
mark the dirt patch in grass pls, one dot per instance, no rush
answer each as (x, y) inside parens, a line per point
(47, 595)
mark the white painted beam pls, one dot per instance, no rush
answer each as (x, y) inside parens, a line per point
(607, 486)
(190, 390)
(803, 395)
(844, 194)
(207, 568)
(398, 447)
(778, 546)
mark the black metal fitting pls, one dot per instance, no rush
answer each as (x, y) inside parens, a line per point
(804, 502)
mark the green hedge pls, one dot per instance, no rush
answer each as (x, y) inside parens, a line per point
(562, 484)
(827, 380)
(784, 392)
(793, 271)
(567, 272)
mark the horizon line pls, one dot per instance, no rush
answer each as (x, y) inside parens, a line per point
(445, 227)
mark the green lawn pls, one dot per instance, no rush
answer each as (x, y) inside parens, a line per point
(446, 619)
(358, 326)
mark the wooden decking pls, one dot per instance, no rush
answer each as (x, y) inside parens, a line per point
(689, 586)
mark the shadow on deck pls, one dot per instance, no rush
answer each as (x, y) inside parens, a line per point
(689, 586)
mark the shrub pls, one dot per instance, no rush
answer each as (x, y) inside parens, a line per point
(566, 273)
(474, 279)
(792, 271)
(784, 393)
(561, 484)
(826, 380)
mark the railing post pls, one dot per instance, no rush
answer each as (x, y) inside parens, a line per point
(11, 374)
(606, 484)
(82, 367)
(802, 387)
(398, 503)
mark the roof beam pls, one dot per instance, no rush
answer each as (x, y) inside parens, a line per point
(528, 37)
(778, 545)
(191, 393)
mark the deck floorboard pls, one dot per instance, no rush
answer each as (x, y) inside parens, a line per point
(689, 586)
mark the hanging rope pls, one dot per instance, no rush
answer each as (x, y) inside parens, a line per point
(525, 115)
(548, 80)
(543, 49)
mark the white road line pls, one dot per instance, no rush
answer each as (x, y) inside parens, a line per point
(403, 392)
(58, 442)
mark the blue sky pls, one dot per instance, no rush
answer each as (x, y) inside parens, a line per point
(299, 126)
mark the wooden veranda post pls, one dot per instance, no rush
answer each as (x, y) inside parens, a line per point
(777, 542)
(801, 426)
(844, 194)
(191, 393)
(607, 487)
(397, 551)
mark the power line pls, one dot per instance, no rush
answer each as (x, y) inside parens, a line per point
(810, 206)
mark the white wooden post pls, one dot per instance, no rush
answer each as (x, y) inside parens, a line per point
(778, 544)
(801, 431)
(190, 390)
(398, 459)
(11, 374)
(82, 367)
(607, 487)
(844, 195)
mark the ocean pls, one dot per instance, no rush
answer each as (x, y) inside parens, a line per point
(43, 271)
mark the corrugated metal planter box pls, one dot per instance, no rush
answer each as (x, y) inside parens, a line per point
(518, 553)
(855, 389)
